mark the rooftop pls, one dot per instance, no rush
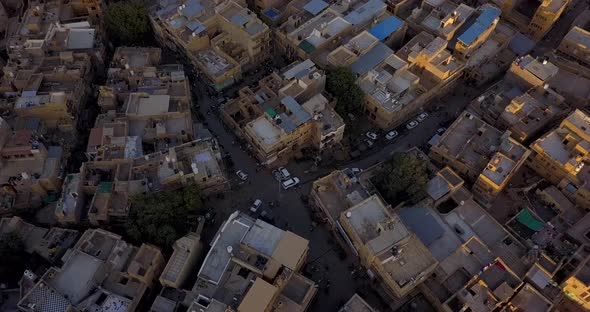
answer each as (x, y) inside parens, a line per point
(259, 297)
(266, 130)
(321, 29)
(215, 63)
(430, 228)
(578, 36)
(481, 147)
(379, 53)
(488, 15)
(400, 253)
(529, 299)
(541, 69)
(365, 12)
(356, 304)
(386, 27)
(555, 143)
(390, 84)
(315, 6)
(284, 247)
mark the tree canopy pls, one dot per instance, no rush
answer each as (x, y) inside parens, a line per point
(161, 218)
(403, 178)
(127, 22)
(341, 83)
(12, 262)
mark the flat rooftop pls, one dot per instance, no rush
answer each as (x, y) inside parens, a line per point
(430, 228)
(365, 12)
(265, 130)
(487, 16)
(529, 299)
(228, 239)
(78, 277)
(214, 63)
(473, 220)
(553, 144)
(579, 36)
(356, 304)
(541, 69)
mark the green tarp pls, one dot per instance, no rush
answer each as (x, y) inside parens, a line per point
(105, 187)
(271, 112)
(527, 219)
(306, 46)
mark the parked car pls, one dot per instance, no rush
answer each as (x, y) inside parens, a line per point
(257, 203)
(371, 135)
(242, 175)
(412, 124)
(441, 130)
(284, 173)
(290, 183)
(391, 135)
(370, 143)
(422, 117)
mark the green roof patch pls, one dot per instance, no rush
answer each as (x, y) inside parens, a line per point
(306, 46)
(526, 218)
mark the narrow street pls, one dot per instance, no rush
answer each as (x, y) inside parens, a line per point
(325, 263)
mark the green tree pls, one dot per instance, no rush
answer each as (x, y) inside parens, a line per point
(12, 262)
(402, 178)
(127, 22)
(161, 218)
(341, 83)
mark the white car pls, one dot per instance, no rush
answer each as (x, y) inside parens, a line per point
(290, 183)
(285, 175)
(242, 175)
(422, 117)
(370, 143)
(257, 203)
(412, 124)
(441, 130)
(391, 135)
(371, 135)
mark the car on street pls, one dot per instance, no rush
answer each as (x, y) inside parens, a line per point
(391, 135)
(255, 205)
(441, 130)
(371, 135)
(370, 143)
(290, 183)
(242, 175)
(422, 117)
(411, 125)
(284, 173)
(356, 171)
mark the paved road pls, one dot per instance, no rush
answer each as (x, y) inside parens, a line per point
(325, 264)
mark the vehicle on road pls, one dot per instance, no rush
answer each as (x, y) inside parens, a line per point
(255, 205)
(391, 135)
(371, 135)
(284, 173)
(242, 175)
(290, 183)
(422, 117)
(441, 130)
(411, 125)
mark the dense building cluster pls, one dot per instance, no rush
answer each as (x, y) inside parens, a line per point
(487, 101)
